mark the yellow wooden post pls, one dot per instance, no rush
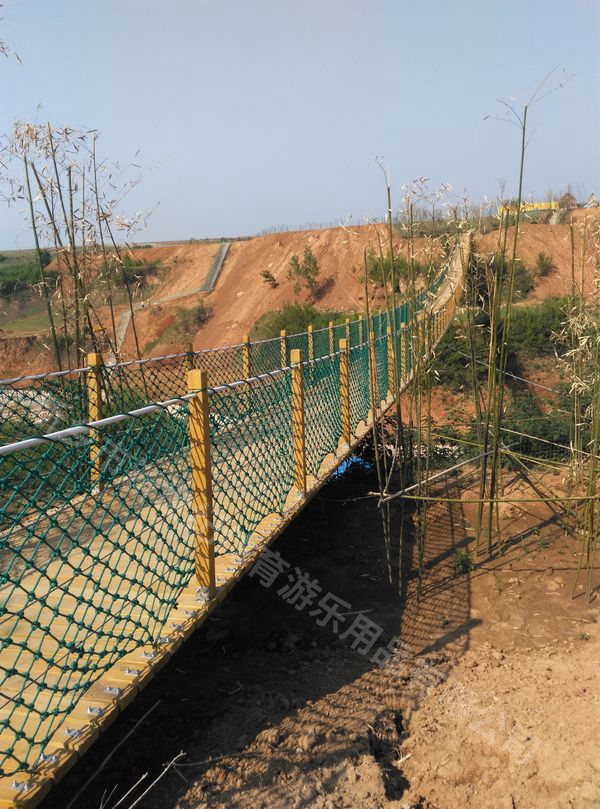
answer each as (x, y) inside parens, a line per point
(390, 361)
(345, 393)
(311, 344)
(348, 341)
(94, 393)
(298, 436)
(202, 502)
(284, 352)
(246, 360)
(189, 357)
(331, 337)
(403, 368)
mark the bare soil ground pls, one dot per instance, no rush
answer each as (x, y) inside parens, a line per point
(241, 296)
(491, 701)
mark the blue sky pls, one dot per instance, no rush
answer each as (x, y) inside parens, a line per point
(257, 113)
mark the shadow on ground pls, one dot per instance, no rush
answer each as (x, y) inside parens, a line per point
(289, 706)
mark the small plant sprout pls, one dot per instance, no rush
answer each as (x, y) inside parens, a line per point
(462, 562)
(269, 279)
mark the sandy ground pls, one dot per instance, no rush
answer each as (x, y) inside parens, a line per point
(491, 700)
(517, 722)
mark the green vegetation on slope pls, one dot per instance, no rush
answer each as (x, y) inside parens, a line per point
(18, 274)
(294, 318)
(531, 334)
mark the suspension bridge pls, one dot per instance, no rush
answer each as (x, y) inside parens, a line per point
(135, 495)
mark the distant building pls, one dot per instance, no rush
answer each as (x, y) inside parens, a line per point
(592, 201)
(511, 207)
(567, 201)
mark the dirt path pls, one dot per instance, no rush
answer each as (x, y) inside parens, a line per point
(273, 710)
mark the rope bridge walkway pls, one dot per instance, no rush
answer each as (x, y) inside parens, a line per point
(121, 531)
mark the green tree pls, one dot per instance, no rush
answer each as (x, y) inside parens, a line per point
(305, 273)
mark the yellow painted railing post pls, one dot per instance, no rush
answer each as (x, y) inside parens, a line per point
(199, 436)
(345, 393)
(311, 344)
(298, 436)
(284, 351)
(403, 339)
(246, 360)
(390, 361)
(331, 338)
(189, 357)
(348, 341)
(94, 393)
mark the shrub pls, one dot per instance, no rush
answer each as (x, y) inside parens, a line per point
(294, 318)
(462, 561)
(380, 268)
(523, 283)
(523, 280)
(135, 270)
(524, 415)
(544, 264)
(190, 320)
(532, 327)
(46, 257)
(451, 364)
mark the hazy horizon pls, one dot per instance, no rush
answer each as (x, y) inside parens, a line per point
(249, 115)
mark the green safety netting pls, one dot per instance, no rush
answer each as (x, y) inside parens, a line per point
(36, 405)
